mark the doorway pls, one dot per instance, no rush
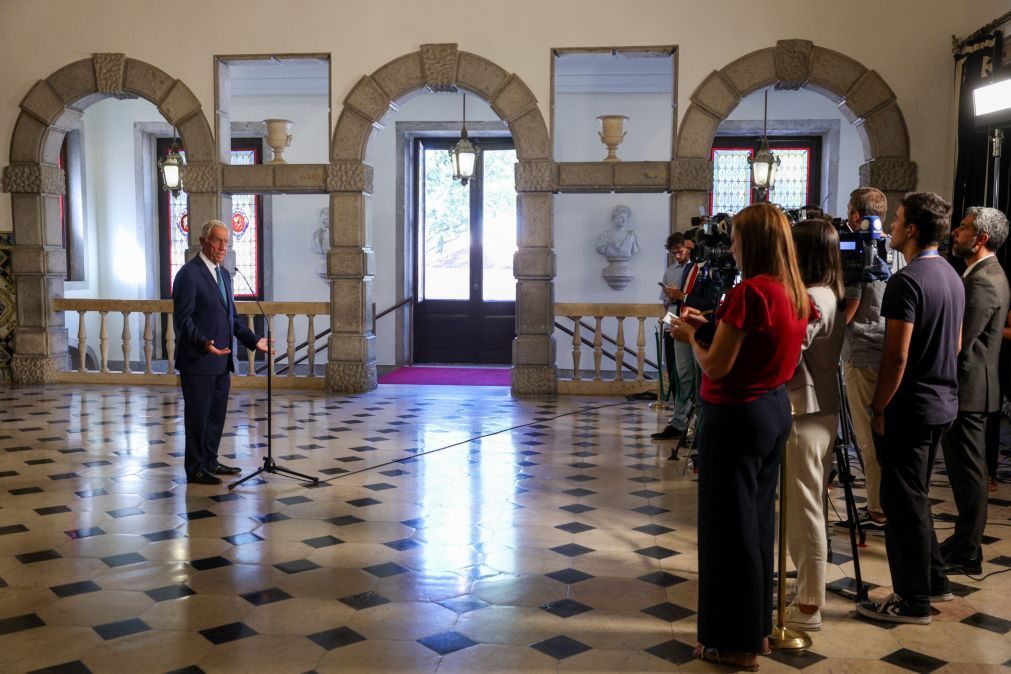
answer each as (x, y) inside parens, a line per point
(465, 238)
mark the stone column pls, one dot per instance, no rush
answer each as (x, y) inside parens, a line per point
(691, 181)
(534, 371)
(39, 265)
(7, 307)
(204, 201)
(351, 364)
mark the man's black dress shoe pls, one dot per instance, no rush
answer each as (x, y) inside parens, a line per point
(668, 433)
(202, 478)
(225, 470)
(962, 566)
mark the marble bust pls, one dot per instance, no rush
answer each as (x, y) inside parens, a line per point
(618, 244)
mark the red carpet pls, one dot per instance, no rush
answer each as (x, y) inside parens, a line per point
(449, 376)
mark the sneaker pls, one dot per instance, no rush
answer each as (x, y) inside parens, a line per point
(798, 620)
(940, 592)
(893, 609)
(867, 524)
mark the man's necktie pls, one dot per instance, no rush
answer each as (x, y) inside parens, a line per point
(221, 284)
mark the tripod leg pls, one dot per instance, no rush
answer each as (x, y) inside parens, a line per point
(247, 478)
(285, 471)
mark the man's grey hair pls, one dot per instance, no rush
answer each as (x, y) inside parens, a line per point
(210, 224)
(991, 222)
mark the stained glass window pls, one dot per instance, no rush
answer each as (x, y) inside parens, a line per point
(245, 230)
(796, 179)
(731, 180)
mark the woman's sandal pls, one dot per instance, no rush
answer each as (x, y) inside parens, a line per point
(713, 656)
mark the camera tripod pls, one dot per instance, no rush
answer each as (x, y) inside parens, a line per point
(845, 444)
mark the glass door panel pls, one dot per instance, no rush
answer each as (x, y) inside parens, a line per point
(498, 225)
(445, 230)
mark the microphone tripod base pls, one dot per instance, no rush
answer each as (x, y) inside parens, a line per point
(785, 639)
(270, 466)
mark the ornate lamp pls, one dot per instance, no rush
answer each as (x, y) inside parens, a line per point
(464, 153)
(764, 163)
(171, 168)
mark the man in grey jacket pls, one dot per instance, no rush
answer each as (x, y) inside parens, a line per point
(981, 232)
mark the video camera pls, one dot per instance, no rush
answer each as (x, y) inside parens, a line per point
(712, 247)
(859, 251)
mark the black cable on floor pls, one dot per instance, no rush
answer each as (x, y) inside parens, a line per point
(476, 437)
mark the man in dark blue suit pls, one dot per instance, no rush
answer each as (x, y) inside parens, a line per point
(205, 322)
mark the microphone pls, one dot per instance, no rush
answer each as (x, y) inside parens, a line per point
(258, 305)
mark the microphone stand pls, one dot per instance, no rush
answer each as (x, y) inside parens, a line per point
(269, 465)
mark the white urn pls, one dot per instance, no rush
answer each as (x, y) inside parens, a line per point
(278, 138)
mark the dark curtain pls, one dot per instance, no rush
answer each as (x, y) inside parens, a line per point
(974, 162)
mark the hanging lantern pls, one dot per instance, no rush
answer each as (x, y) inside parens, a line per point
(764, 163)
(464, 153)
(171, 168)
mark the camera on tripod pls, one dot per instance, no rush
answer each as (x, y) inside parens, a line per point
(712, 247)
(861, 249)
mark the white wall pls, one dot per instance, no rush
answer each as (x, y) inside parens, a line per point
(808, 105)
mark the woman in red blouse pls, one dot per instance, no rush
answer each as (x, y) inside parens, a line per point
(746, 420)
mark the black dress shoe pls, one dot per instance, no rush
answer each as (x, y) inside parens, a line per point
(954, 567)
(202, 478)
(225, 470)
(668, 433)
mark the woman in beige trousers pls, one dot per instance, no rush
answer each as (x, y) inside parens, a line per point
(814, 395)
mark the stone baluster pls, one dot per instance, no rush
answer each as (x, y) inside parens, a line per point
(640, 342)
(577, 346)
(310, 350)
(82, 341)
(598, 351)
(170, 343)
(148, 342)
(619, 351)
(291, 345)
(103, 342)
(126, 342)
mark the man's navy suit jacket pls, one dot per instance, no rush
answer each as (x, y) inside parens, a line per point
(200, 315)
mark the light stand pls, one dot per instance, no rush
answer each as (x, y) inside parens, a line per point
(269, 465)
(998, 142)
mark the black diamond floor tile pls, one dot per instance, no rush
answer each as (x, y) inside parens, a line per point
(989, 622)
(268, 596)
(650, 510)
(296, 566)
(170, 592)
(385, 570)
(19, 623)
(272, 517)
(463, 604)
(797, 659)
(122, 560)
(336, 638)
(72, 589)
(344, 520)
(403, 544)
(208, 563)
(673, 651)
(121, 628)
(38, 556)
(575, 527)
(364, 600)
(913, 661)
(653, 530)
(668, 611)
(577, 508)
(657, 552)
(74, 667)
(243, 538)
(572, 550)
(560, 647)
(322, 541)
(222, 634)
(447, 642)
(663, 579)
(569, 576)
(566, 608)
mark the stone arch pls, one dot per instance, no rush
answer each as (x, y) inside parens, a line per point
(351, 267)
(50, 110)
(861, 94)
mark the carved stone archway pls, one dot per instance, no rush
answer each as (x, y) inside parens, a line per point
(861, 94)
(51, 109)
(351, 264)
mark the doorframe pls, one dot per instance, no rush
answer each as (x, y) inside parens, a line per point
(407, 133)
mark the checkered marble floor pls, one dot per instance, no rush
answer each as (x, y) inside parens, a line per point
(456, 530)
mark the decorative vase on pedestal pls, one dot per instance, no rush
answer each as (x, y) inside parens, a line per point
(611, 134)
(278, 138)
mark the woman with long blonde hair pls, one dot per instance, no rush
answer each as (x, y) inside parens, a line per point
(746, 360)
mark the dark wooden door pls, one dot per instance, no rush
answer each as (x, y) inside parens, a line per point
(465, 237)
